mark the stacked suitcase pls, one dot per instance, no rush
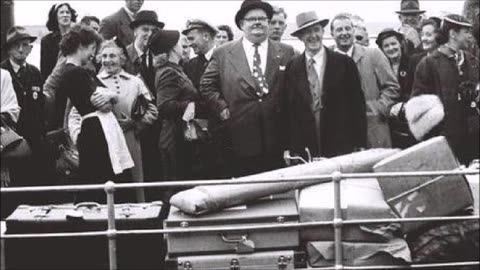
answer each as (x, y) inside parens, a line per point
(363, 245)
(261, 249)
(133, 251)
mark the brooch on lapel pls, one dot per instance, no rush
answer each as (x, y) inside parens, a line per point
(403, 73)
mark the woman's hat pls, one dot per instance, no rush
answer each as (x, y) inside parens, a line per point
(386, 33)
(248, 5)
(146, 17)
(17, 33)
(163, 41)
(457, 20)
(410, 7)
(307, 19)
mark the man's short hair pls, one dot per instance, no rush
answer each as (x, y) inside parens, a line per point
(279, 10)
(341, 16)
(88, 19)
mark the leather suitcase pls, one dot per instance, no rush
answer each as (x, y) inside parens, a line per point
(429, 200)
(260, 213)
(133, 251)
(270, 260)
(361, 199)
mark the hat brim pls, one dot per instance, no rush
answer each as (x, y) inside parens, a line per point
(382, 36)
(410, 11)
(135, 24)
(15, 39)
(323, 23)
(208, 28)
(258, 5)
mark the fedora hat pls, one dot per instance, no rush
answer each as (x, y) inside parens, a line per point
(146, 17)
(386, 33)
(410, 7)
(199, 24)
(17, 33)
(248, 5)
(307, 19)
(163, 41)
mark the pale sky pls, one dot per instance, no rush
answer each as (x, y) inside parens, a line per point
(175, 13)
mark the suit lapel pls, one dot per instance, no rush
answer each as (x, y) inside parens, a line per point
(302, 81)
(273, 61)
(238, 60)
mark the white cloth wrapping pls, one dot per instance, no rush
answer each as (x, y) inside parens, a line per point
(117, 146)
(204, 199)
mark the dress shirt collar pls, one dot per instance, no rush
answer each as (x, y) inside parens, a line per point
(250, 50)
(16, 66)
(209, 54)
(129, 13)
(349, 53)
(138, 50)
(104, 75)
(319, 59)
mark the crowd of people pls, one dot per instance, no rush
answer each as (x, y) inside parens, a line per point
(137, 108)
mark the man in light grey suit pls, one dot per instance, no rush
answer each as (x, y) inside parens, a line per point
(241, 86)
(118, 24)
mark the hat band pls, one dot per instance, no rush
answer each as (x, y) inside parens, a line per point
(455, 22)
(307, 22)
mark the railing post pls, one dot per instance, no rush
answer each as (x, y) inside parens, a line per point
(112, 232)
(338, 220)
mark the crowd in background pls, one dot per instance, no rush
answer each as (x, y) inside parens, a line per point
(123, 96)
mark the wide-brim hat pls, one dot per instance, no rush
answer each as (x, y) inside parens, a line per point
(163, 41)
(146, 17)
(17, 33)
(458, 20)
(386, 33)
(410, 7)
(248, 5)
(199, 24)
(307, 19)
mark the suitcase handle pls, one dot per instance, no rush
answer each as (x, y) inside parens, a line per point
(241, 239)
(87, 205)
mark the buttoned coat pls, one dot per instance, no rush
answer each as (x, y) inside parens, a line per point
(117, 24)
(438, 74)
(254, 122)
(382, 91)
(342, 118)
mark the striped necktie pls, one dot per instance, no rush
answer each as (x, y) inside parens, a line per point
(314, 84)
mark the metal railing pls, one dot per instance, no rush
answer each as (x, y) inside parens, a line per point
(338, 222)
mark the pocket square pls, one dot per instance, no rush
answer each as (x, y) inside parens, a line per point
(282, 68)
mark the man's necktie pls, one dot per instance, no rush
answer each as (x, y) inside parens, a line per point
(314, 84)
(21, 72)
(262, 86)
(202, 59)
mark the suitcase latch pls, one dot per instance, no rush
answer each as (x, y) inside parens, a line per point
(234, 264)
(283, 262)
(187, 266)
(244, 245)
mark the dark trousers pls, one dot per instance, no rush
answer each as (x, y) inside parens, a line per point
(244, 166)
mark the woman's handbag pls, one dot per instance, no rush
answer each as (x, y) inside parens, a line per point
(66, 155)
(13, 145)
(140, 107)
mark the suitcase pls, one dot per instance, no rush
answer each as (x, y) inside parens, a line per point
(133, 251)
(260, 213)
(270, 260)
(395, 252)
(316, 203)
(428, 201)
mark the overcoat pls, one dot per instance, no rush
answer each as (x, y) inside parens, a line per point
(117, 24)
(343, 118)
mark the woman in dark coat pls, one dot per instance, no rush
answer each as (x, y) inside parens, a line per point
(176, 99)
(60, 19)
(452, 74)
(103, 156)
(390, 42)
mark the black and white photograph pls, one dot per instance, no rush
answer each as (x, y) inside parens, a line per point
(240, 134)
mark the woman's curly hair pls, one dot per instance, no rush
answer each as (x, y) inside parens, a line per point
(78, 35)
(52, 23)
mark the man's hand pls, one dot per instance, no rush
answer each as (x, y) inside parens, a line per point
(105, 108)
(225, 114)
(189, 113)
(102, 96)
(411, 34)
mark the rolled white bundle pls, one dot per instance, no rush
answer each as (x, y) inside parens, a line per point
(204, 199)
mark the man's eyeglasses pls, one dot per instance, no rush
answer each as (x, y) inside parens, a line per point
(256, 19)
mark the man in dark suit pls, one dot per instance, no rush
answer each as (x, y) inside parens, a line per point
(38, 168)
(242, 87)
(118, 24)
(324, 105)
(201, 37)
